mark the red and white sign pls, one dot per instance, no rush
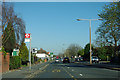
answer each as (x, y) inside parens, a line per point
(27, 35)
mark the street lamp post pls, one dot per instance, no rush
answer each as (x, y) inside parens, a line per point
(90, 35)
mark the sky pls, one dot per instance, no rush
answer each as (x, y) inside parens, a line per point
(53, 25)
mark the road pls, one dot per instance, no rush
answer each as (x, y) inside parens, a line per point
(70, 70)
(73, 70)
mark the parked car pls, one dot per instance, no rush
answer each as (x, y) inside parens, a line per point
(57, 60)
(62, 59)
(81, 58)
(78, 59)
(66, 60)
(95, 59)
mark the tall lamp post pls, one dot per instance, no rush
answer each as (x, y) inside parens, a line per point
(90, 34)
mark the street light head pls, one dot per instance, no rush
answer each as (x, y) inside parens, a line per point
(100, 19)
(78, 19)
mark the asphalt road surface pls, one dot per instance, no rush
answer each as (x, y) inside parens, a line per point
(74, 71)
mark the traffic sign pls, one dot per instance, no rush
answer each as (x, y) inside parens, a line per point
(27, 35)
(34, 50)
(15, 52)
(27, 40)
(51, 53)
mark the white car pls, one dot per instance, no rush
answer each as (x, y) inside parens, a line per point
(95, 59)
(57, 60)
(62, 59)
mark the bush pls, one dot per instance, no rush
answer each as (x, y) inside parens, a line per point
(115, 60)
(39, 60)
(15, 62)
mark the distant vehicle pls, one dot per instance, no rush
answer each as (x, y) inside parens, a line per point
(66, 60)
(95, 59)
(62, 59)
(78, 59)
(57, 60)
(57, 57)
(81, 58)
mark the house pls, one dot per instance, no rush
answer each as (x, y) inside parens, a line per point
(42, 54)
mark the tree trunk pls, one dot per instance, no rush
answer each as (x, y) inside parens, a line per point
(116, 48)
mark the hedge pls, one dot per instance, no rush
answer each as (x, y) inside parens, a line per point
(15, 62)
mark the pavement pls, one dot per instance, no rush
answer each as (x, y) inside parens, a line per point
(25, 72)
(103, 64)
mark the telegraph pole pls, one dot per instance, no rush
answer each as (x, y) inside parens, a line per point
(90, 41)
(30, 55)
(90, 35)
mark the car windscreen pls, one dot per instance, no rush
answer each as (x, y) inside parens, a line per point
(95, 57)
(66, 58)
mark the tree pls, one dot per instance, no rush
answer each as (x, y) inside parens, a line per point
(10, 44)
(87, 51)
(109, 30)
(81, 52)
(10, 18)
(72, 50)
(60, 55)
(24, 52)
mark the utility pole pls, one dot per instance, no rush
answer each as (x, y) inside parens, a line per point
(30, 54)
(90, 34)
(90, 42)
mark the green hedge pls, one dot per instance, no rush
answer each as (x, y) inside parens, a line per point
(15, 62)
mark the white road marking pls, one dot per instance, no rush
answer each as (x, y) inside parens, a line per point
(81, 75)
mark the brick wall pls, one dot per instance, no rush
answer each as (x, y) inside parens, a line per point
(5, 62)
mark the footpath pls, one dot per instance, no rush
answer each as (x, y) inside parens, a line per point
(107, 66)
(104, 65)
(25, 72)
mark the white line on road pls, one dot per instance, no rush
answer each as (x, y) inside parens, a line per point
(81, 75)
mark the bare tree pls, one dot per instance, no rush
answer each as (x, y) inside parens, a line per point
(72, 50)
(9, 16)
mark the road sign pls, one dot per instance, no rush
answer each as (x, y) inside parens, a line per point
(27, 35)
(27, 39)
(15, 52)
(51, 53)
(34, 50)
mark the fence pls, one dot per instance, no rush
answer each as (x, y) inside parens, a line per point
(4, 62)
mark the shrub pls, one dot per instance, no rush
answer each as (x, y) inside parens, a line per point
(15, 62)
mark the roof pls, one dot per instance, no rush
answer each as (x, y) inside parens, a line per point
(41, 51)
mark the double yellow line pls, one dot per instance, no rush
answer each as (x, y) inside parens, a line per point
(56, 70)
